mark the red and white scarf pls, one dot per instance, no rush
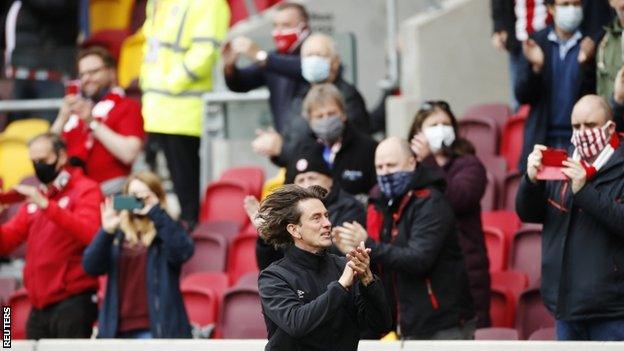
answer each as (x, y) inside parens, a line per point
(591, 143)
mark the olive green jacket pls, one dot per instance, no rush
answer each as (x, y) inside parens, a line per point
(609, 59)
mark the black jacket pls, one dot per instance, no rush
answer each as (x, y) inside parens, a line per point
(354, 165)
(342, 207)
(582, 242)
(424, 252)
(171, 247)
(46, 32)
(305, 308)
(535, 89)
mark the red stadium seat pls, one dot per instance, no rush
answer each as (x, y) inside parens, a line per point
(531, 314)
(202, 293)
(217, 281)
(525, 254)
(502, 307)
(483, 133)
(110, 39)
(496, 169)
(496, 244)
(226, 229)
(253, 176)
(508, 221)
(20, 309)
(248, 279)
(242, 257)
(210, 255)
(8, 285)
(512, 140)
(544, 334)
(497, 112)
(496, 334)
(510, 188)
(223, 200)
(514, 281)
(241, 315)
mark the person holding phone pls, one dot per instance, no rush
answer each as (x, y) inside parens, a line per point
(582, 282)
(141, 250)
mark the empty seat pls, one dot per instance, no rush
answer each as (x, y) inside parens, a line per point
(544, 334)
(110, 39)
(498, 112)
(109, 14)
(202, 293)
(525, 254)
(242, 257)
(514, 281)
(241, 315)
(512, 141)
(496, 334)
(508, 221)
(227, 229)
(15, 162)
(496, 245)
(223, 200)
(210, 255)
(20, 309)
(502, 307)
(25, 129)
(496, 169)
(217, 281)
(482, 132)
(248, 279)
(531, 314)
(130, 59)
(253, 176)
(510, 189)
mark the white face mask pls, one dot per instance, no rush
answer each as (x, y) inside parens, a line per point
(315, 69)
(568, 18)
(438, 136)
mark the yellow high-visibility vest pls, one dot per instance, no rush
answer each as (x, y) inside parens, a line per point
(181, 47)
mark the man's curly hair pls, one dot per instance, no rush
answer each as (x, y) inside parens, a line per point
(281, 208)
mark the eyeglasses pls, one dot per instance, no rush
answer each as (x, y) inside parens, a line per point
(90, 72)
(431, 104)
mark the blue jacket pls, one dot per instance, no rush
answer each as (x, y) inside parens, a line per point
(171, 247)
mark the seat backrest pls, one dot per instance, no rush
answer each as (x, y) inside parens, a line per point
(482, 133)
(496, 334)
(515, 281)
(249, 279)
(20, 309)
(496, 169)
(25, 129)
(274, 183)
(8, 285)
(110, 39)
(543, 334)
(109, 14)
(502, 307)
(226, 229)
(15, 162)
(201, 304)
(496, 245)
(531, 314)
(508, 221)
(525, 254)
(241, 316)
(512, 141)
(130, 59)
(253, 176)
(216, 281)
(242, 257)
(510, 189)
(210, 255)
(498, 112)
(223, 200)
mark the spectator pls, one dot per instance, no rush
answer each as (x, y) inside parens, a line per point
(582, 240)
(41, 46)
(312, 299)
(103, 128)
(610, 71)
(57, 222)
(142, 253)
(413, 237)
(348, 152)
(275, 69)
(435, 142)
(182, 40)
(552, 79)
(310, 169)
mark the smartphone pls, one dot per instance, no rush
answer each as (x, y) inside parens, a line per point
(552, 163)
(72, 87)
(11, 197)
(125, 202)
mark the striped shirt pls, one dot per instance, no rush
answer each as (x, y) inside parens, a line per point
(531, 16)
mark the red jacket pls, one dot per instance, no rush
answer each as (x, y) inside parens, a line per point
(56, 238)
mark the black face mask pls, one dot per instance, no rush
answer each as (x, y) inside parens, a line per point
(46, 172)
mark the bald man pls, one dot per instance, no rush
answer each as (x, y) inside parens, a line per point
(413, 237)
(582, 280)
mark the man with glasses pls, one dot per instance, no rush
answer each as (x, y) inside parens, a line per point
(103, 128)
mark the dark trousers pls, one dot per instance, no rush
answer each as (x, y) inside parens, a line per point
(33, 89)
(182, 154)
(595, 330)
(68, 319)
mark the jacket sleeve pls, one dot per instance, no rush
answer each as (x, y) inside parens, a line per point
(177, 243)
(242, 80)
(372, 307)
(531, 201)
(53, 8)
(356, 111)
(528, 84)
(14, 232)
(596, 15)
(96, 259)
(83, 222)
(208, 22)
(498, 14)
(285, 65)
(266, 254)
(618, 113)
(605, 211)
(431, 225)
(281, 305)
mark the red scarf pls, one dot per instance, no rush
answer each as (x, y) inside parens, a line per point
(603, 157)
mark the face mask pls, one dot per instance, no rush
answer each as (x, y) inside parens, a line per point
(568, 18)
(438, 136)
(591, 142)
(285, 40)
(46, 172)
(328, 129)
(394, 184)
(315, 69)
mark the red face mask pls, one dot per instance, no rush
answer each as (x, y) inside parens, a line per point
(286, 40)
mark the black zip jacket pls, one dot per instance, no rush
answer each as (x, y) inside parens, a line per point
(305, 308)
(422, 269)
(582, 242)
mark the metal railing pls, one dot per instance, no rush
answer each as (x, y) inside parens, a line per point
(30, 105)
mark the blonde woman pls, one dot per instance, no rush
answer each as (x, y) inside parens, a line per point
(142, 252)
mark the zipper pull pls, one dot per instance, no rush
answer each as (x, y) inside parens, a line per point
(432, 297)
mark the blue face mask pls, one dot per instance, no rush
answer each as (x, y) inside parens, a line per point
(394, 184)
(315, 69)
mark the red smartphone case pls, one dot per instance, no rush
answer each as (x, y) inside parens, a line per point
(552, 163)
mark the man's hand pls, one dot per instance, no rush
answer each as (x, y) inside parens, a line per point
(587, 51)
(347, 277)
(268, 143)
(359, 261)
(69, 104)
(420, 146)
(246, 47)
(499, 40)
(229, 58)
(251, 205)
(110, 217)
(533, 54)
(577, 174)
(83, 108)
(33, 195)
(344, 242)
(534, 162)
(352, 232)
(618, 87)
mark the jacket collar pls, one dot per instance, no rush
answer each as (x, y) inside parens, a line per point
(306, 259)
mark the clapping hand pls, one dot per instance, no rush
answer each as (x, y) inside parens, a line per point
(359, 261)
(534, 54)
(268, 143)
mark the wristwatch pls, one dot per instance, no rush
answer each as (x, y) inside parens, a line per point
(261, 56)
